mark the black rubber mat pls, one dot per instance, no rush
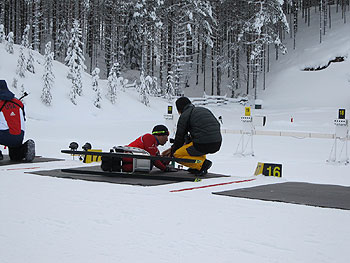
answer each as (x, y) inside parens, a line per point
(94, 173)
(320, 195)
(37, 159)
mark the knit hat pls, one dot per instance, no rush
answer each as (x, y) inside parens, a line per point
(5, 94)
(160, 130)
(181, 103)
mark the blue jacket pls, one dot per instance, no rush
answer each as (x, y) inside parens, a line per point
(5, 94)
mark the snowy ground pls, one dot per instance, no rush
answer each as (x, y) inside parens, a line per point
(46, 219)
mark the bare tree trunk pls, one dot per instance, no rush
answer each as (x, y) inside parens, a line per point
(197, 64)
(204, 56)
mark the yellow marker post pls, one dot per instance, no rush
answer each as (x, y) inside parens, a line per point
(341, 114)
(247, 111)
(170, 109)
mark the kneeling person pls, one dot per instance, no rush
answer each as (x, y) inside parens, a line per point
(204, 132)
(12, 118)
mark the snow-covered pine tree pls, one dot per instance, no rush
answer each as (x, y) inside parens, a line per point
(143, 90)
(260, 30)
(75, 60)
(25, 36)
(112, 86)
(48, 77)
(30, 62)
(21, 63)
(152, 86)
(2, 33)
(95, 77)
(22, 92)
(9, 43)
(170, 91)
(117, 69)
(15, 83)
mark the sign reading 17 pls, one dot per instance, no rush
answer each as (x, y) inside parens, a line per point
(272, 169)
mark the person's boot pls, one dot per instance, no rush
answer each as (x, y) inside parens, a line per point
(205, 167)
(29, 150)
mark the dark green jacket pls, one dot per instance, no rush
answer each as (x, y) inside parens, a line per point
(200, 123)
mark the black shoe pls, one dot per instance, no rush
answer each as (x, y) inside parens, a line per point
(1, 156)
(29, 150)
(205, 167)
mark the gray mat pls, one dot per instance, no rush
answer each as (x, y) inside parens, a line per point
(320, 195)
(128, 179)
(37, 159)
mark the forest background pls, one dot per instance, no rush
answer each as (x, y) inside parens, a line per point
(225, 47)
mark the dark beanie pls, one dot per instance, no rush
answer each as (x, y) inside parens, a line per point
(5, 94)
(181, 103)
(160, 130)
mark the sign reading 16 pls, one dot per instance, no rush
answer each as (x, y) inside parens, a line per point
(272, 169)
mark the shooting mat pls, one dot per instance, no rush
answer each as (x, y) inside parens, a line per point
(37, 159)
(156, 177)
(319, 195)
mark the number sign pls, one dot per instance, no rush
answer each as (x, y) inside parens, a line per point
(247, 111)
(269, 169)
(341, 114)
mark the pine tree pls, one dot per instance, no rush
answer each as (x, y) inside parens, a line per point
(48, 76)
(9, 43)
(143, 90)
(62, 41)
(96, 88)
(112, 86)
(170, 90)
(25, 36)
(22, 92)
(14, 83)
(21, 63)
(2, 33)
(30, 62)
(260, 30)
(75, 61)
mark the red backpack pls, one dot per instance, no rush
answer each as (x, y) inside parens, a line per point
(11, 111)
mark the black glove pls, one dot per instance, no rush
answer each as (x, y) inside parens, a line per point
(170, 169)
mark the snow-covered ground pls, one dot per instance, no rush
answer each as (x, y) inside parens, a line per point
(46, 219)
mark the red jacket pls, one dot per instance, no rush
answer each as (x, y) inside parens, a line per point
(149, 143)
(12, 116)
